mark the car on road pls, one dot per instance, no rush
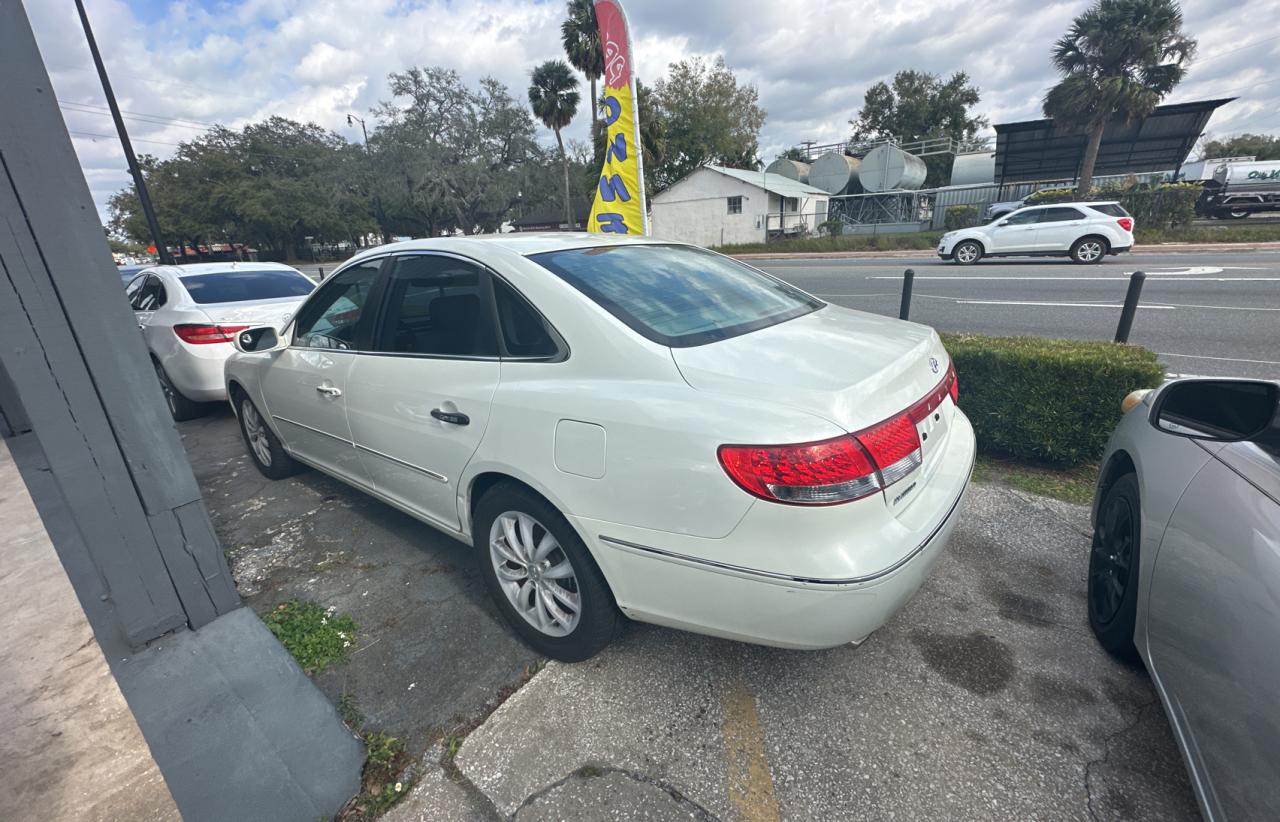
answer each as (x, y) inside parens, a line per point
(624, 427)
(995, 211)
(189, 315)
(1184, 573)
(1085, 232)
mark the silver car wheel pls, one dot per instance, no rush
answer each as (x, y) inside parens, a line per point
(535, 573)
(255, 430)
(1089, 251)
(966, 253)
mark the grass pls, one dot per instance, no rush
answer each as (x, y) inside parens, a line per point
(928, 240)
(1067, 484)
(316, 637)
(385, 780)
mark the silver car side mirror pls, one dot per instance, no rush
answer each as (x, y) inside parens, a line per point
(1218, 410)
(258, 340)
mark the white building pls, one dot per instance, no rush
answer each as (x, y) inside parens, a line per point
(723, 206)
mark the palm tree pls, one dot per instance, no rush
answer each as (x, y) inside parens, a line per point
(581, 38)
(1118, 60)
(553, 95)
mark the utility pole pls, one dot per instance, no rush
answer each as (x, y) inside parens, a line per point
(363, 130)
(379, 215)
(140, 184)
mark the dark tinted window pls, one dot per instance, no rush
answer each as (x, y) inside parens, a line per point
(1111, 209)
(239, 286)
(1061, 215)
(523, 330)
(131, 290)
(437, 305)
(150, 296)
(331, 319)
(1024, 217)
(678, 295)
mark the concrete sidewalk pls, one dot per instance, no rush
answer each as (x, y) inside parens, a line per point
(987, 697)
(69, 745)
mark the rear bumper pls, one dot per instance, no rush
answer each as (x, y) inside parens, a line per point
(197, 371)
(655, 578)
(1122, 250)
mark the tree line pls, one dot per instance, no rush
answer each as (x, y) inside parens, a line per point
(441, 156)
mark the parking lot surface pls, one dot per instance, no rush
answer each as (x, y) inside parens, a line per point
(985, 698)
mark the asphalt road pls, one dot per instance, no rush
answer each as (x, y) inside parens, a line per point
(1209, 314)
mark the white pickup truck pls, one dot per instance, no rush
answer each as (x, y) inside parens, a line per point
(1240, 189)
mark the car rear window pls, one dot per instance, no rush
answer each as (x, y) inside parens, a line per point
(1110, 209)
(239, 286)
(679, 296)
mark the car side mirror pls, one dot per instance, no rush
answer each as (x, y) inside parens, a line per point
(1002, 222)
(1219, 410)
(258, 340)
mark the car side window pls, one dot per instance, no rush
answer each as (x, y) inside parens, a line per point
(1024, 217)
(150, 296)
(1061, 214)
(439, 306)
(524, 332)
(331, 318)
(133, 289)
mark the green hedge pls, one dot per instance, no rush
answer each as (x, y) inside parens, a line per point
(960, 216)
(1053, 401)
(1159, 207)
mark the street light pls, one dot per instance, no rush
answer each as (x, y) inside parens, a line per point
(352, 120)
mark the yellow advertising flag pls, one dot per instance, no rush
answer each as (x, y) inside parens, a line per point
(619, 206)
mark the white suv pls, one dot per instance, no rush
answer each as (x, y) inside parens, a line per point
(1085, 232)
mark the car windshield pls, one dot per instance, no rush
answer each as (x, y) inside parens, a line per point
(1110, 209)
(240, 286)
(679, 296)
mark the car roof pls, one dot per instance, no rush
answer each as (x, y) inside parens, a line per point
(191, 269)
(517, 242)
(1075, 203)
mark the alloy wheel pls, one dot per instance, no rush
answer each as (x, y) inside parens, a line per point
(1112, 565)
(535, 573)
(255, 430)
(1089, 251)
(966, 253)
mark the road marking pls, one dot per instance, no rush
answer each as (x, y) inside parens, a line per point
(1055, 305)
(1220, 307)
(1218, 359)
(961, 278)
(750, 782)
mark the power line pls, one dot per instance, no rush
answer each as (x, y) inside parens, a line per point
(1218, 54)
(167, 81)
(154, 119)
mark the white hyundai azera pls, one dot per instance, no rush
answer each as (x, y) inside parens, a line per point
(624, 427)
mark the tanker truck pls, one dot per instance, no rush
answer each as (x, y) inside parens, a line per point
(1240, 189)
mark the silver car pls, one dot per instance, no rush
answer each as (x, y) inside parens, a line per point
(1185, 574)
(190, 314)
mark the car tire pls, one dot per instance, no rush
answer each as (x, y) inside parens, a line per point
(1112, 594)
(1089, 250)
(180, 408)
(967, 252)
(509, 530)
(264, 447)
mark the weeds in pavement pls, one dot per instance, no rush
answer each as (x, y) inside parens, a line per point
(388, 773)
(350, 711)
(317, 637)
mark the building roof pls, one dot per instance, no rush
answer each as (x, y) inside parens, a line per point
(772, 183)
(554, 214)
(1037, 150)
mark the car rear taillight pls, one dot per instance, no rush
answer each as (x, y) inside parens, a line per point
(198, 334)
(1126, 223)
(842, 469)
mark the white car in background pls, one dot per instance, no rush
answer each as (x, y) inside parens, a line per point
(190, 314)
(624, 427)
(1085, 232)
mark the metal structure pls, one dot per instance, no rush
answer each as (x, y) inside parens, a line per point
(889, 168)
(835, 173)
(1042, 150)
(791, 169)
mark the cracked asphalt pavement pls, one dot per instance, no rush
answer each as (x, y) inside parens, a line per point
(986, 697)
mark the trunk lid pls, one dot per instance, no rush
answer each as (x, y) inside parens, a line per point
(852, 368)
(275, 313)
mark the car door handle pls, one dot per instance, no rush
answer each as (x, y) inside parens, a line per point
(329, 390)
(451, 417)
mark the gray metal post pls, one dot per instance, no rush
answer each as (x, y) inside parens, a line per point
(1130, 306)
(908, 279)
(79, 379)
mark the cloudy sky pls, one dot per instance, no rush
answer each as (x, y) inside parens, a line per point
(178, 65)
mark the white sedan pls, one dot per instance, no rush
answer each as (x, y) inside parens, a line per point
(624, 427)
(189, 315)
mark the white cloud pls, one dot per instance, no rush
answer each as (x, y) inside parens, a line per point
(235, 61)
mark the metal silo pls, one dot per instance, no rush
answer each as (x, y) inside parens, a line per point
(791, 169)
(889, 168)
(974, 169)
(835, 173)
